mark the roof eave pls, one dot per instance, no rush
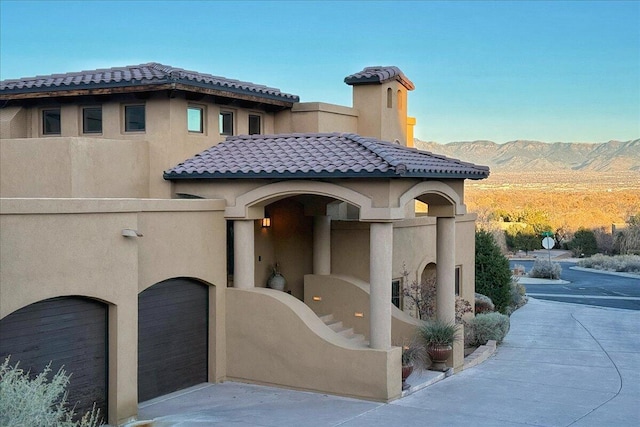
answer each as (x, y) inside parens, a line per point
(146, 86)
(318, 175)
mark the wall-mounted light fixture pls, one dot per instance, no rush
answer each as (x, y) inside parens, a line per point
(358, 314)
(266, 222)
(130, 232)
(317, 298)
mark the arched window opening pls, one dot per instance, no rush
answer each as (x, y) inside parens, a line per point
(389, 98)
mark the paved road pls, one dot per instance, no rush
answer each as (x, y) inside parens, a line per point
(588, 288)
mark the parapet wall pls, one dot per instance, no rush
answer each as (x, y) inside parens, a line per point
(273, 338)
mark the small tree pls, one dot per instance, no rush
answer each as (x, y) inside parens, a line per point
(493, 275)
(584, 243)
(527, 241)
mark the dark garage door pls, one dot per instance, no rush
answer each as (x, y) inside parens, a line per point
(69, 331)
(172, 337)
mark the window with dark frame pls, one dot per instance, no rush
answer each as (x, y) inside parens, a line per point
(458, 271)
(51, 122)
(254, 124)
(92, 120)
(195, 119)
(134, 118)
(396, 292)
(226, 123)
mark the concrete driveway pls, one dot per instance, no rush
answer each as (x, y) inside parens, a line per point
(560, 365)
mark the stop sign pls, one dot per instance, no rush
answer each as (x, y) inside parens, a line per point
(548, 243)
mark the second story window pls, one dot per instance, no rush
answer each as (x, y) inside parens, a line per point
(92, 120)
(134, 118)
(51, 122)
(195, 119)
(226, 123)
(254, 124)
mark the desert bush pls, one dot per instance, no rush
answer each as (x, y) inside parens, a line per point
(462, 307)
(485, 327)
(422, 296)
(621, 263)
(604, 240)
(627, 240)
(484, 304)
(27, 400)
(543, 269)
(493, 275)
(518, 298)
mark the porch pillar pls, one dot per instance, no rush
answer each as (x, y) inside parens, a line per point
(321, 244)
(381, 252)
(446, 269)
(243, 253)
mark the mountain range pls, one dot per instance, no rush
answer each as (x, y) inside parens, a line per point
(515, 156)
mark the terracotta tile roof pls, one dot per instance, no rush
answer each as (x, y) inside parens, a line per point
(132, 75)
(318, 155)
(379, 74)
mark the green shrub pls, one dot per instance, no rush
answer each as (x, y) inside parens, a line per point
(620, 263)
(27, 401)
(484, 304)
(493, 275)
(485, 327)
(543, 269)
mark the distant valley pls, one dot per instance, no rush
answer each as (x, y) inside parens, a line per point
(531, 156)
(574, 184)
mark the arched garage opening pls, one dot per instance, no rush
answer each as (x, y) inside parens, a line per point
(66, 331)
(172, 337)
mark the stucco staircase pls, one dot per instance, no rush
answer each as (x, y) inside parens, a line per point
(337, 326)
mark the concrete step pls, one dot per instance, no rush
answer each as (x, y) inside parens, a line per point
(327, 318)
(338, 327)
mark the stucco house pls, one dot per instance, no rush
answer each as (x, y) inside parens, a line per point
(143, 208)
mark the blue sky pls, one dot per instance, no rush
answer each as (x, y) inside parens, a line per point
(496, 70)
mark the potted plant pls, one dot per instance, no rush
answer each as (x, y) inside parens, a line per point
(413, 358)
(438, 337)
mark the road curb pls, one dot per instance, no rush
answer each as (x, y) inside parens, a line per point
(610, 273)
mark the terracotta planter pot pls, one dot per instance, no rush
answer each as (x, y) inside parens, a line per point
(439, 355)
(406, 371)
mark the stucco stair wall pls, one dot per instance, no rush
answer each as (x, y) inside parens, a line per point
(347, 299)
(274, 338)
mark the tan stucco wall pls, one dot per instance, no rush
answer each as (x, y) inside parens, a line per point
(273, 338)
(59, 247)
(13, 123)
(73, 167)
(165, 138)
(307, 117)
(466, 255)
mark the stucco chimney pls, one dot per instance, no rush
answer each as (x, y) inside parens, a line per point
(380, 96)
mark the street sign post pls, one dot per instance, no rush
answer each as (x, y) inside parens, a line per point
(548, 243)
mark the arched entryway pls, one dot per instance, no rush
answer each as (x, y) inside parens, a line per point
(69, 332)
(172, 337)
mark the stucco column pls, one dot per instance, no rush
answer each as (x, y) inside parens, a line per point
(381, 252)
(321, 244)
(243, 252)
(446, 269)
